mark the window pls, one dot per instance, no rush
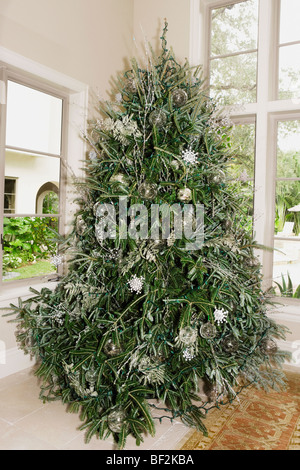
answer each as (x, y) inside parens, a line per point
(253, 69)
(31, 171)
(9, 195)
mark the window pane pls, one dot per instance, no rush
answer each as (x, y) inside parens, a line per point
(233, 79)
(288, 149)
(243, 140)
(36, 183)
(289, 72)
(28, 247)
(289, 21)
(33, 119)
(287, 221)
(286, 266)
(234, 28)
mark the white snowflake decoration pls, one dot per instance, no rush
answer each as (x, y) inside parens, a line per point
(220, 315)
(56, 260)
(189, 156)
(136, 284)
(188, 354)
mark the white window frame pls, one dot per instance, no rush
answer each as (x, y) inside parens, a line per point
(266, 112)
(75, 113)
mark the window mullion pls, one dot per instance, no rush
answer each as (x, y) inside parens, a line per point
(265, 164)
(3, 96)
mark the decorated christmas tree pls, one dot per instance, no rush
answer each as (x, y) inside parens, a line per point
(162, 304)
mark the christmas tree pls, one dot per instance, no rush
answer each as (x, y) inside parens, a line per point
(163, 293)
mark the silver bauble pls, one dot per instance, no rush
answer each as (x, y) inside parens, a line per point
(208, 330)
(175, 164)
(230, 344)
(188, 335)
(179, 97)
(218, 178)
(81, 226)
(184, 194)
(268, 346)
(131, 85)
(111, 349)
(115, 420)
(119, 178)
(147, 190)
(158, 118)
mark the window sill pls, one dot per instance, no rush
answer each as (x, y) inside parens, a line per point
(288, 308)
(13, 293)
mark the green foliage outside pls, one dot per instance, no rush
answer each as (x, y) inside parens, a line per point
(26, 240)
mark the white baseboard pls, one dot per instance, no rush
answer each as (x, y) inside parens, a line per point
(14, 360)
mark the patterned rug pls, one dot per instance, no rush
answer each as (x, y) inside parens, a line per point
(259, 421)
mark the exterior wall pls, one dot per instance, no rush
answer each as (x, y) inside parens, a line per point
(23, 167)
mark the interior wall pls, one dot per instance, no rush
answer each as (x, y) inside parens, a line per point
(148, 22)
(88, 40)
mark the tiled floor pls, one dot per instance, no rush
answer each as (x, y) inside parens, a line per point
(28, 424)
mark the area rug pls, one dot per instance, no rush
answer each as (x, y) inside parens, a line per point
(259, 421)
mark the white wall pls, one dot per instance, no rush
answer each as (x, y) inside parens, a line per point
(88, 40)
(149, 19)
(23, 167)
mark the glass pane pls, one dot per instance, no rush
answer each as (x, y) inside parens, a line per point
(234, 28)
(286, 268)
(36, 186)
(28, 247)
(287, 217)
(289, 72)
(289, 21)
(243, 141)
(288, 149)
(233, 79)
(33, 119)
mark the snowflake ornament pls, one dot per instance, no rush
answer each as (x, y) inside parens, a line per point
(189, 156)
(220, 315)
(188, 354)
(136, 284)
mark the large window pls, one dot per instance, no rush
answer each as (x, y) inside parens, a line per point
(253, 69)
(32, 149)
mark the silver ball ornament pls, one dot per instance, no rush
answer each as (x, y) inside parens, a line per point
(208, 330)
(111, 349)
(147, 190)
(179, 97)
(115, 420)
(230, 344)
(131, 85)
(158, 118)
(119, 178)
(187, 335)
(268, 346)
(184, 194)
